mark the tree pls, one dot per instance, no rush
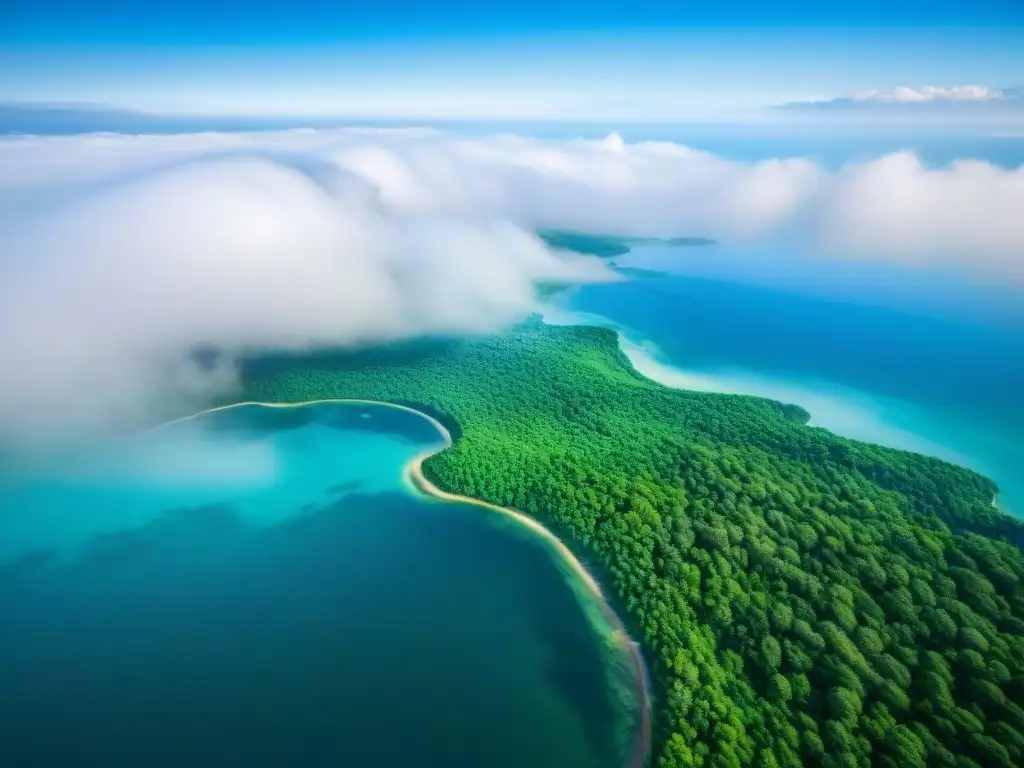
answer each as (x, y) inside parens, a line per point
(843, 705)
(771, 653)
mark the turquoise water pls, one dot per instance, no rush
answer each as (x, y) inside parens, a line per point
(910, 361)
(256, 587)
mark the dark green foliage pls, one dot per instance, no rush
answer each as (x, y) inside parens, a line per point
(608, 246)
(592, 245)
(801, 598)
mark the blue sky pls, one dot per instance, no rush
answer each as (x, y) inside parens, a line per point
(644, 59)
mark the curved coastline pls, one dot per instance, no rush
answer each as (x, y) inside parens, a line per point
(416, 481)
(897, 436)
(414, 475)
(644, 358)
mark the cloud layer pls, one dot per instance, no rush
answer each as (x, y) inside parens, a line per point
(103, 298)
(120, 254)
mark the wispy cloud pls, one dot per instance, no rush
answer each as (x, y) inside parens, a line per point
(977, 99)
(121, 254)
(928, 93)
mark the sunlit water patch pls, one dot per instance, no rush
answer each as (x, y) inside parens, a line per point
(268, 463)
(255, 587)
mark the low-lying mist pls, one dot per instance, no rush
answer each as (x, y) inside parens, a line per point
(120, 255)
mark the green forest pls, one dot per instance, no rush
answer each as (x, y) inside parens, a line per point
(801, 599)
(609, 246)
(604, 246)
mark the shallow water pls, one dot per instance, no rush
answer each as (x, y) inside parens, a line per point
(256, 587)
(941, 380)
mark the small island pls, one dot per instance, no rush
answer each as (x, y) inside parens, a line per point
(610, 246)
(801, 598)
(603, 246)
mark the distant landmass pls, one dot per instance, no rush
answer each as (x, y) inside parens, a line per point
(610, 246)
(603, 246)
(63, 119)
(71, 119)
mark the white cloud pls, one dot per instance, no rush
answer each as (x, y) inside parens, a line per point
(907, 95)
(963, 105)
(967, 215)
(119, 253)
(102, 299)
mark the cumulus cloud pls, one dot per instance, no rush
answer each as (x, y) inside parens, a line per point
(102, 299)
(120, 254)
(965, 215)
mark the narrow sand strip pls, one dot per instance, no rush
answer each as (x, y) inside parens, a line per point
(413, 475)
(638, 758)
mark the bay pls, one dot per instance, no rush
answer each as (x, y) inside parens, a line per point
(258, 587)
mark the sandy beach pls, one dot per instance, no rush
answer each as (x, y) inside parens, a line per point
(415, 479)
(414, 475)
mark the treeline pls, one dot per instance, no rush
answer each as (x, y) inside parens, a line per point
(603, 246)
(802, 599)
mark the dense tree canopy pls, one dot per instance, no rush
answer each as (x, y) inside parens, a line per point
(801, 598)
(609, 246)
(591, 245)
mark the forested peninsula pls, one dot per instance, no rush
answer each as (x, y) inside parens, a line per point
(610, 246)
(801, 598)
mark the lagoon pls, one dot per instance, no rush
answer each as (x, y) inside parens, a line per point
(257, 586)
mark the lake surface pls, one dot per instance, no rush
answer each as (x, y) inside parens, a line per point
(903, 359)
(256, 587)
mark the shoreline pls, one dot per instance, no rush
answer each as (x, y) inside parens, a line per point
(415, 477)
(415, 480)
(848, 412)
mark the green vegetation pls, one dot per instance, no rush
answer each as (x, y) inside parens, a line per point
(609, 246)
(801, 598)
(591, 245)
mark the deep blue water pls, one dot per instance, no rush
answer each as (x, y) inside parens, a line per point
(919, 370)
(257, 588)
